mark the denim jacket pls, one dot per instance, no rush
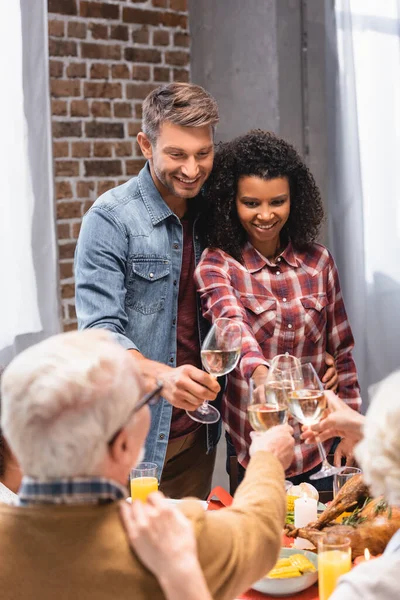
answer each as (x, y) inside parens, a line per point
(127, 270)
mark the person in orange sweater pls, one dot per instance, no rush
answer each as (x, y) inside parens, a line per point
(74, 416)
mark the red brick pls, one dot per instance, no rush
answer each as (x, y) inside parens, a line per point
(84, 189)
(170, 19)
(138, 111)
(179, 5)
(98, 168)
(66, 168)
(67, 129)
(141, 72)
(119, 32)
(140, 36)
(99, 32)
(102, 149)
(160, 3)
(98, 10)
(67, 290)
(63, 231)
(63, 7)
(161, 73)
(120, 71)
(71, 312)
(134, 128)
(104, 186)
(60, 149)
(148, 55)
(99, 71)
(70, 326)
(100, 51)
(138, 15)
(62, 48)
(161, 38)
(134, 166)
(63, 190)
(76, 227)
(86, 205)
(104, 130)
(56, 28)
(181, 75)
(56, 68)
(122, 109)
(77, 30)
(79, 108)
(93, 89)
(76, 70)
(81, 149)
(139, 90)
(59, 108)
(100, 109)
(65, 87)
(68, 210)
(123, 149)
(67, 268)
(66, 250)
(182, 39)
(178, 58)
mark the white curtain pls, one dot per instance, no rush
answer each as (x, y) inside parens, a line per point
(28, 263)
(364, 191)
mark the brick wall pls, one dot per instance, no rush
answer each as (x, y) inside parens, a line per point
(105, 57)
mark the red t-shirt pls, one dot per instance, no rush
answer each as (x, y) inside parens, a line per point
(188, 344)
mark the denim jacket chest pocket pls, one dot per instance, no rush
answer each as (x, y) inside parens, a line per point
(147, 284)
(315, 318)
(261, 314)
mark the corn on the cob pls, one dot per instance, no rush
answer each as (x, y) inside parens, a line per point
(284, 572)
(290, 503)
(302, 563)
(282, 562)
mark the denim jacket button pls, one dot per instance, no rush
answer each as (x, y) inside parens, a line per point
(175, 246)
(171, 360)
(161, 436)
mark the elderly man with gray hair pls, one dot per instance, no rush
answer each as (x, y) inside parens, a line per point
(75, 418)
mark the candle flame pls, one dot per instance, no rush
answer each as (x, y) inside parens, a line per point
(367, 554)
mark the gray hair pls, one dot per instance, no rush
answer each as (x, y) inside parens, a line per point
(63, 399)
(379, 451)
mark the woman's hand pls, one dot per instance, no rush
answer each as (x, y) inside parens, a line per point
(164, 540)
(330, 379)
(339, 421)
(344, 451)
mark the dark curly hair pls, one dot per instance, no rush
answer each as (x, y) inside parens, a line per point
(261, 154)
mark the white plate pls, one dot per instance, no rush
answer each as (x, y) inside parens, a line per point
(289, 585)
(203, 503)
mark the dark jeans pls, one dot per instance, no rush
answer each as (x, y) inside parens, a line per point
(320, 484)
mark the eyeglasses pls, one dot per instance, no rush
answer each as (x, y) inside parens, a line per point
(150, 398)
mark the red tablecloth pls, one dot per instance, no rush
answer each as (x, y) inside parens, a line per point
(225, 500)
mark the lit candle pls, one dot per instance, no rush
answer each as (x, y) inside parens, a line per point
(367, 556)
(305, 512)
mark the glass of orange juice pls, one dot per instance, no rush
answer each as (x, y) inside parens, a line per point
(143, 481)
(334, 560)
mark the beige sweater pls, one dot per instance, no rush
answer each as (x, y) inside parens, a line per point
(81, 552)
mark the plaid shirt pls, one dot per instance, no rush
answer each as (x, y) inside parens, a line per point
(82, 490)
(292, 306)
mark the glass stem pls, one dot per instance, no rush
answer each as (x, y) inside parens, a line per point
(204, 407)
(322, 454)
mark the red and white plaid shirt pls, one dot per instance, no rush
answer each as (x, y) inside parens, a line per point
(292, 306)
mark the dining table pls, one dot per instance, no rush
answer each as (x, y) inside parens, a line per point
(220, 498)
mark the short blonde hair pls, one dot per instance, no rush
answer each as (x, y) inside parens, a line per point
(63, 399)
(379, 451)
(182, 104)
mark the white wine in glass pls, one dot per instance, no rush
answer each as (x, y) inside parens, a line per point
(307, 403)
(220, 354)
(268, 403)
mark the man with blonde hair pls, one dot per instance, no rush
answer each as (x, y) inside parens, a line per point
(137, 250)
(74, 415)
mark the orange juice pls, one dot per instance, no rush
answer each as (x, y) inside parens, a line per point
(141, 487)
(331, 565)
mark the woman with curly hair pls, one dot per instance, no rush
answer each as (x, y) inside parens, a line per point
(264, 269)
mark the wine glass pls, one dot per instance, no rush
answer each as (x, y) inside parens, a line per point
(268, 403)
(220, 354)
(283, 362)
(307, 403)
